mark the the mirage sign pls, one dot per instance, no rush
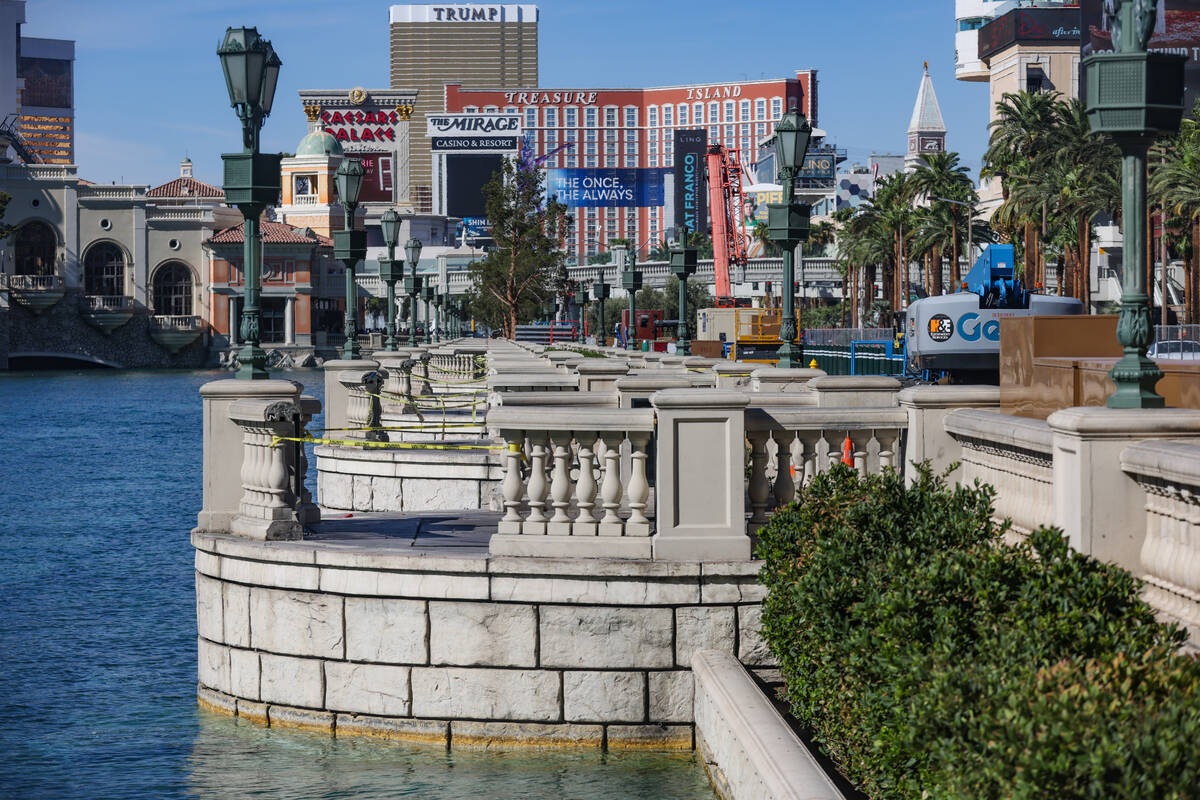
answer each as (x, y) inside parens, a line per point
(474, 133)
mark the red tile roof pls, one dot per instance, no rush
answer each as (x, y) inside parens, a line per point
(186, 187)
(273, 233)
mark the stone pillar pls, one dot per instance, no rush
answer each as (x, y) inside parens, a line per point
(701, 452)
(337, 397)
(927, 407)
(1100, 508)
(223, 445)
(289, 320)
(233, 320)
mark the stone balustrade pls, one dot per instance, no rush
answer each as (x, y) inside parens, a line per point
(789, 445)
(272, 471)
(1168, 473)
(1013, 454)
(574, 486)
(364, 406)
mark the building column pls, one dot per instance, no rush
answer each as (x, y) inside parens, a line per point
(289, 321)
(233, 320)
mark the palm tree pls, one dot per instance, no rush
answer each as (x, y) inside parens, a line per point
(941, 177)
(1175, 182)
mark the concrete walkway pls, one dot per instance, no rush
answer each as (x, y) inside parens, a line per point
(431, 533)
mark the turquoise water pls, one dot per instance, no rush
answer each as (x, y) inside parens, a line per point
(101, 484)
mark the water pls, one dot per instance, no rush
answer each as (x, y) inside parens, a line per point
(100, 486)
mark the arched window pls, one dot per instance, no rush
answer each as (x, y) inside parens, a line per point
(35, 247)
(173, 290)
(104, 270)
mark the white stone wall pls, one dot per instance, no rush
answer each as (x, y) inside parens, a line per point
(359, 479)
(335, 637)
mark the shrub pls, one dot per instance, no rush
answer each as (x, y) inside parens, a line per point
(931, 660)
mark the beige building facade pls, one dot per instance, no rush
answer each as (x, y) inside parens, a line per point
(482, 46)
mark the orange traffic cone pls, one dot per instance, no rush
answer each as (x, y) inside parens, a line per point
(848, 452)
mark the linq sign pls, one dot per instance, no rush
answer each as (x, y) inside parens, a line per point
(353, 126)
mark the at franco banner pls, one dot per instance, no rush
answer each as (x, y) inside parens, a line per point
(691, 199)
(606, 188)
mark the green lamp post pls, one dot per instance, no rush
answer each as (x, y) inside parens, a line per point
(439, 315)
(412, 287)
(427, 294)
(581, 302)
(631, 282)
(350, 246)
(251, 183)
(600, 293)
(683, 264)
(788, 224)
(1133, 96)
(391, 271)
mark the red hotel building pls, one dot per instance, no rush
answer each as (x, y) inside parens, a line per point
(635, 128)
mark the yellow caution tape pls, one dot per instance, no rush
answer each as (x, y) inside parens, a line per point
(384, 445)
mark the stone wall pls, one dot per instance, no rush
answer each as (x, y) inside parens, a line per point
(411, 479)
(472, 650)
(63, 331)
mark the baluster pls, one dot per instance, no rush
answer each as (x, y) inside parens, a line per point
(585, 486)
(513, 487)
(249, 453)
(834, 455)
(610, 487)
(560, 484)
(785, 485)
(535, 523)
(759, 487)
(860, 443)
(639, 487)
(887, 448)
(277, 474)
(808, 451)
(258, 479)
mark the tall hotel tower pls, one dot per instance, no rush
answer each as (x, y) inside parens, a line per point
(482, 46)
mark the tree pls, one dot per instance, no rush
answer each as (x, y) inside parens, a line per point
(941, 177)
(521, 273)
(1175, 183)
(5, 230)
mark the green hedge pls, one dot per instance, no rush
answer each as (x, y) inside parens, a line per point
(931, 660)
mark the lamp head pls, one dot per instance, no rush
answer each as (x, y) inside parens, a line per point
(792, 134)
(413, 251)
(390, 226)
(349, 180)
(243, 55)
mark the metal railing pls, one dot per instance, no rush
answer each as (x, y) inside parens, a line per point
(172, 322)
(107, 302)
(32, 283)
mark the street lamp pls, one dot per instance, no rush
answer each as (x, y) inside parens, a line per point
(600, 292)
(581, 300)
(683, 264)
(390, 271)
(412, 287)
(1134, 96)
(251, 69)
(439, 302)
(350, 246)
(788, 224)
(427, 294)
(631, 281)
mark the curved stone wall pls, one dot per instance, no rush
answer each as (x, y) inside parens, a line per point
(408, 479)
(352, 639)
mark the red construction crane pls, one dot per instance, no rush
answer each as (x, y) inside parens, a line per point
(725, 210)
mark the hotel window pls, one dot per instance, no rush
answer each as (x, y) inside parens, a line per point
(572, 117)
(760, 129)
(654, 161)
(471, 110)
(683, 114)
(746, 145)
(571, 162)
(589, 149)
(306, 185)
(590, 136)
(610, 136)
(667, 116)
(531, 117)
(729, 105)
(760, 108)
(744, 110)
(491, 109)
(652, 135)
(653, 147)
(630, 117)
(668, 144)
(652, 115)
(714, 133)
(610, 161)
(589, 117)
(610, 149)
(631, 146)
(631, 161)
(511, 110)
(714, 112)
(610, 118)
(776, 107)
(745, 130)
(590, 162)
(551, 117)
(698, 114)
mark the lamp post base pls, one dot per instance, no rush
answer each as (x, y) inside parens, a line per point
(351, 350)
(252, 364)
(791, 356)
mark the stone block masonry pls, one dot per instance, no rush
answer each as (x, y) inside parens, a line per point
(464, 650)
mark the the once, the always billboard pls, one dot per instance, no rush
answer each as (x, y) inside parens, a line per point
(607, 188)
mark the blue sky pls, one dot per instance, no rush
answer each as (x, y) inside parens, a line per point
(149, 88)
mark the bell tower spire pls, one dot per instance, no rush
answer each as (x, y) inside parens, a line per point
(927, 129)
